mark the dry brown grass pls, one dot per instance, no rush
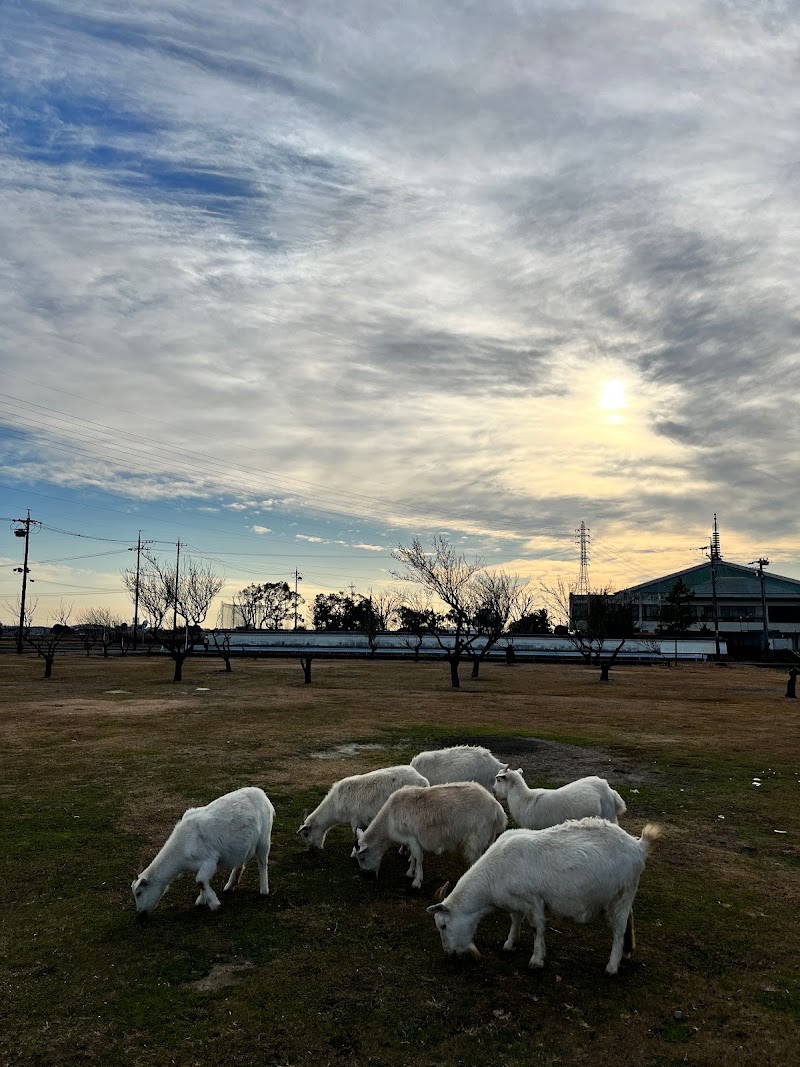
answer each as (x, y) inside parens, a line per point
(93, 780)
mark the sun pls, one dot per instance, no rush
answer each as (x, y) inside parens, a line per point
(612, 396)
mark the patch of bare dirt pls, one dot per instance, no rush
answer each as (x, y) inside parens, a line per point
(351, 748)
(554, 761)
(222, 974)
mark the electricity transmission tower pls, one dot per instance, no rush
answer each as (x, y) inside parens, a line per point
(582, 539)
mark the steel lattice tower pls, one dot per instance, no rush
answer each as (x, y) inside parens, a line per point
(582, 538)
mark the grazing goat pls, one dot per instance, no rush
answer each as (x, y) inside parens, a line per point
(355, 801)
(576, 869)
(228, 831)
(436, 819)
(462, 763)
(536, 809)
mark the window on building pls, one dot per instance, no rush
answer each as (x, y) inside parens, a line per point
(739, 613)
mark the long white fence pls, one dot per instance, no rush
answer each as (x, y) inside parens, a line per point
(398, 645)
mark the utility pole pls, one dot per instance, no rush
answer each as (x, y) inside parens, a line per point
(23, 530)
(762, 563)
(177, 580)
(297, 578)
(138, 551)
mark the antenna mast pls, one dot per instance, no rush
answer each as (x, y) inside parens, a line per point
(715, 555)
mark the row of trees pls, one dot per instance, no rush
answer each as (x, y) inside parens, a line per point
(465, 606)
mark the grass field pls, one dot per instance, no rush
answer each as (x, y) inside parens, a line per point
(100, 761)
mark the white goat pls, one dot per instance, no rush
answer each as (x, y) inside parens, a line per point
(576, 869)
(438, 819)
(461, 763)
(355, 801)
(228, 831)
(535, 809)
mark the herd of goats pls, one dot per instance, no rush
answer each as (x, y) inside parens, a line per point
(569, 857)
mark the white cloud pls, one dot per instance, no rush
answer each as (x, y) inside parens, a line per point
(261, 529)
(389, 281)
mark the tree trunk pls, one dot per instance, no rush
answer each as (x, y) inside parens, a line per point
(476, 666)
(48, 664)
(228, 667)
(305, 663)
(178, 668)
(791, 685)
(604, 669)
(454, 680)
(511, 654)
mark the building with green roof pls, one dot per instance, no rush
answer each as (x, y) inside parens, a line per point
(740, 593)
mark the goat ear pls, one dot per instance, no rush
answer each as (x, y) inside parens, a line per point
(441, 892)
(520, 771)
(434, 908)
(359, 835)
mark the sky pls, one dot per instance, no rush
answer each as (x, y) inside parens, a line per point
(294, 283)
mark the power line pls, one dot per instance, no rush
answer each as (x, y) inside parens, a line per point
(292, 484)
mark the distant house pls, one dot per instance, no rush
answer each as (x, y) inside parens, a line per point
(739, 600)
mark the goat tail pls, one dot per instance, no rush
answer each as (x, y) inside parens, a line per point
(619, 804)
(651, 832)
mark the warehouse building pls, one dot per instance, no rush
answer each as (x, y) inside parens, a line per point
(751, 606)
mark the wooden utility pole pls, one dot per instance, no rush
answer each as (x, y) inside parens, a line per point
(23, 530)
(138, 550)
(177, 580)
(297, 578)
(762, 563)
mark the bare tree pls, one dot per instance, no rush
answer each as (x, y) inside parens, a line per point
(98, 624)
(186, 594)
(380, 612)
(501, 598)
(46, 644)
(222, 646)
(480, 604)
(247, 603)
(444, 574)
(417, 618)
(599, 635)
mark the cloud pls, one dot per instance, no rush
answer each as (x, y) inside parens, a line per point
(261, 529)
(379, 263)
(313, 540)
(371, 548)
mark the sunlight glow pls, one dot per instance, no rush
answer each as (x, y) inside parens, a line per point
(613, 395)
